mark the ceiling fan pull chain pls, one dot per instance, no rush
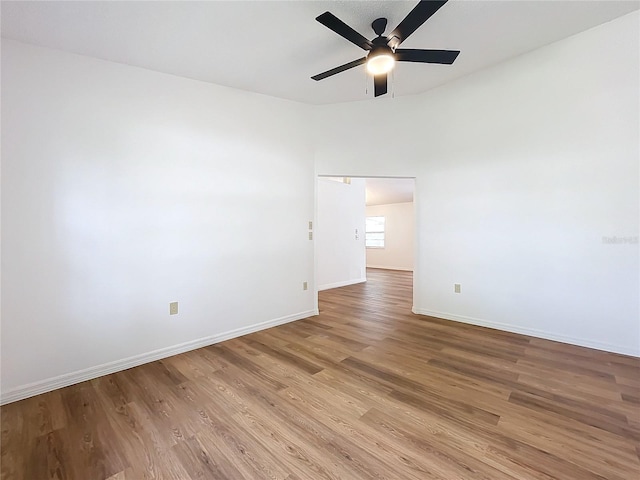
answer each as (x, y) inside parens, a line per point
(366, 83)
(393, 83)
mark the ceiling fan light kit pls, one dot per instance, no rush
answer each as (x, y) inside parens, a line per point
(383, 52)
(380, 62)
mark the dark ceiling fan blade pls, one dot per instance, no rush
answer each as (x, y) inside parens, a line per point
(413, 20)
(332, 22)
(379, 85)
(339, 69)
(446, 57)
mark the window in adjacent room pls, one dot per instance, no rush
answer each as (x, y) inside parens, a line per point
(374, 232)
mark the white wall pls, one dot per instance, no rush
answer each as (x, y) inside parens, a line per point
(125, 189)
(399, 234)
(341, 211)
(521, 169)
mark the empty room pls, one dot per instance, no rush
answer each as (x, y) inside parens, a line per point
(165, 312)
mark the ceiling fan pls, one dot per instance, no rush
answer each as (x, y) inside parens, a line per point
(384, 51)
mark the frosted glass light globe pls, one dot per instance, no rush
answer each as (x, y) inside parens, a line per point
(379, 64)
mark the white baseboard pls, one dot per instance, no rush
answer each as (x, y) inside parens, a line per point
(532, 332)
(328, 286)
(43, 386)
(387, 267)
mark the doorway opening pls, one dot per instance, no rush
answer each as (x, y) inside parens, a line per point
(365, 228)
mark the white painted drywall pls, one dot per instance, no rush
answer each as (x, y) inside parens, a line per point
(340, 251)
(125, 189)
(521, 169)
(399, 235)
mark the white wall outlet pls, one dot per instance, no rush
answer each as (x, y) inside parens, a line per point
(310, 235)
(456, 288)
(305, 286)
(310, 225)
(173, 308)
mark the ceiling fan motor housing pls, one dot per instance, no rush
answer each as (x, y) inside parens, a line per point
(380, 47)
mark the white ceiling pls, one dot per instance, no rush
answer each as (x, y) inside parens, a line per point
(273, 47)
(383, 191)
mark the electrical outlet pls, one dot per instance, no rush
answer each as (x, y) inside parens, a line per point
(456, 288)
(310, 225)
(305, 286)
(173, 308)
(310, 235)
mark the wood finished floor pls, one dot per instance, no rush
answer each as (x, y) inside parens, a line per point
(365, 390)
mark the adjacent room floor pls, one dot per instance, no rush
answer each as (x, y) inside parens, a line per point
(365, 390)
